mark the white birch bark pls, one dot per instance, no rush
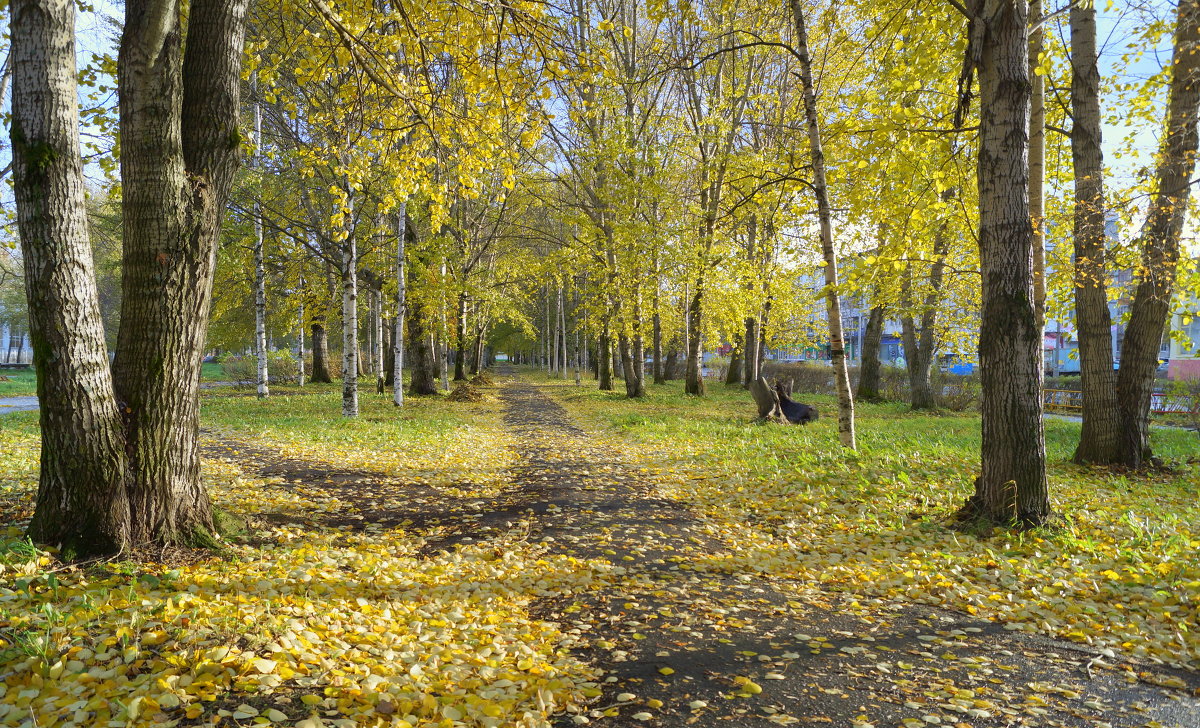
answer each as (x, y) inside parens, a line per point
(837, 344)
(349, 321)
(401, 307)
(300, 337)
(260, 271)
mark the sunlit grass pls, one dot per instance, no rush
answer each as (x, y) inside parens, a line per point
(1121, 568)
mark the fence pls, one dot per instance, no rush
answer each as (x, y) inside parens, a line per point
(1070, 401)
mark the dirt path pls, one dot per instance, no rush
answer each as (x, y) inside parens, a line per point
(681, 646)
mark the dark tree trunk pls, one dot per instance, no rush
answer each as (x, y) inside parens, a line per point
(1161, 234)
(918, 356)
(766, 399)
(1099, 440)
(177, 167)
(750, 368)
(320, 354)
(460, 346)
(1012, 486)
(604, 360)
(424, 360)
(389, 360)
(693, 379)
(659, 376)
(919, 344)
(633, 383)
(868, 371)
(733, 375)
(81, 503)
(671, 365)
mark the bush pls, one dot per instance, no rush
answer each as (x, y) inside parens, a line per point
(1070, 383)
(956, 392)
(805, 377)
(1185, 394)
(242, 371)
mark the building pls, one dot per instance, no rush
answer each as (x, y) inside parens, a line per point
(14, 345)
(1184, 362)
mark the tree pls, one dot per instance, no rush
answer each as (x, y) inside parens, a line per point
(868, 372)
(1012, 486)
(1160, 236)
(1100, 436)
(837, 342)
(120, 465)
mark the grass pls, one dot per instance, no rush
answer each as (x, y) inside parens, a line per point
(18, 382)
(211, 371)
(784, 503)
(23, 382)
(1121, 571)
(304, 619)
(429, 440)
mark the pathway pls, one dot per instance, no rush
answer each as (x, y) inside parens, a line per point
(18, 404)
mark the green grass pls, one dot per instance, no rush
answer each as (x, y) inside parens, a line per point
(24, 382)
(1119, 570)
(20, 382)
(211, 371)
(429, 439)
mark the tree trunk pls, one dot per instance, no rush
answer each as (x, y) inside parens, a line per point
(868, 371)
(402, 233)
(733, 375)
(260, 272)
(1161, 234)
(693, 382)
(918, 357)
(350, 358)
(750, 368)
(81, 502)
(377, 341)
(562, 334)
(477, 360)
(1012, 486)
(1099, 440)
(919, 344)
(320, 335)
(1037, 161)
(837, 345)
(604, 360)
(766, 399)
(177, 167)
(320, 354)
(300, 337)
(656, 345)
(389, 359)
(424, 368)
(670, 364)
(634, 388)
(460, 347)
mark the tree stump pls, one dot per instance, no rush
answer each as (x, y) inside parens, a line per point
(767, 400)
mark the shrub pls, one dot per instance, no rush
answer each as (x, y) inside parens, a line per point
(242, 371)
(1070, 383)
(956, 392)
(804, 376)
